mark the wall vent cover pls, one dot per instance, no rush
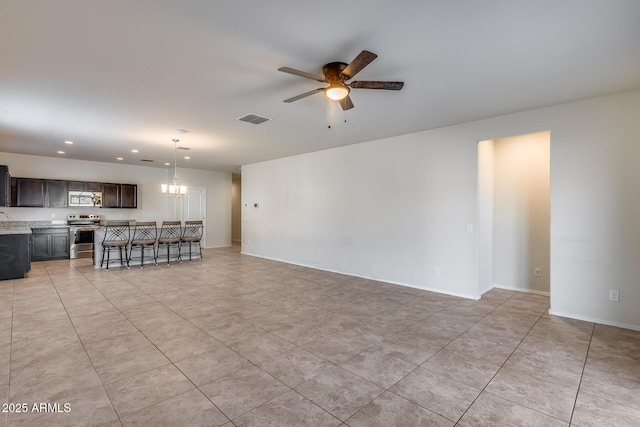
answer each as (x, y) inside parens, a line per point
(253, 118)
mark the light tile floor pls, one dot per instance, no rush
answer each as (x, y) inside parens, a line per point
(237, 340)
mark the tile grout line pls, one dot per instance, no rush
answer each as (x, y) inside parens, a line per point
(503, 363)
(174, 363)
(79, 339)
(13, 302)
(584, 365)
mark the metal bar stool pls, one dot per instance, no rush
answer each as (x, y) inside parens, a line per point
(170, 234)
(144, 237)
(116, 236)
(192, 234)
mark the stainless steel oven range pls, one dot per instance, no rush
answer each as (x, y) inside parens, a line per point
(81, 234)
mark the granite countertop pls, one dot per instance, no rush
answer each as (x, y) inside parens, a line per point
(24, 227)
(14, 230)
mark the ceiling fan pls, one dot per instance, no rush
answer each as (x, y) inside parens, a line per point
(337, 74)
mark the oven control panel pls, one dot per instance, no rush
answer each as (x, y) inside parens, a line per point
(84, 217)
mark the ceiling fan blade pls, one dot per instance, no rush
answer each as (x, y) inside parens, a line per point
(301, 74)
(363, 59)
(370, 84)
(304, 95)
(346, 103)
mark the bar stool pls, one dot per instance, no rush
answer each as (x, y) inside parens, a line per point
(170, 234)
(116, 236)
(192, 233)
(144, 237)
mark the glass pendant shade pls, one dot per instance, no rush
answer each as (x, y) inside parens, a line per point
(337, 91)
(174, 189)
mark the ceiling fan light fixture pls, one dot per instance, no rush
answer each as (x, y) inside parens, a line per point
(337, 91)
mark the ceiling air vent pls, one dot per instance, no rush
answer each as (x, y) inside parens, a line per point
(183, 148)
(147, 160)
(253, 118)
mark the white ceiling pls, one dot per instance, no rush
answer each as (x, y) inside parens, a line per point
(122, 74)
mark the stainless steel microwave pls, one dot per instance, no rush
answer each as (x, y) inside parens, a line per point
(85, 198)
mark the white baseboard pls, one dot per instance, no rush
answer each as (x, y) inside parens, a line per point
(594, 320)
(408, 285)
(529, 291)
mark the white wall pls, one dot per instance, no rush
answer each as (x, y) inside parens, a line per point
(393, 209)
(218, 209)
(151, 204)
(521, 212)
(236, 208)
(485, 218)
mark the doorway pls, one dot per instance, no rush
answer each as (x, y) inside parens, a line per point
(194, 206)
(514, 213)
(236, 209)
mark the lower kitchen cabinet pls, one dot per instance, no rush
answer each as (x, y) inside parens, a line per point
(14, 256)
(49, 244)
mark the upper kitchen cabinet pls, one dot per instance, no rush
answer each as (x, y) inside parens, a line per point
(29, 192)
(110, 195)
(57, 194)
(39, 193)
(128, 196)
(120, 196)
(5, 186)
(85, 186)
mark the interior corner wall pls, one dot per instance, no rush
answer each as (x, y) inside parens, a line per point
(521, 212)
(236, 209)
(485, 221)
(393, 209)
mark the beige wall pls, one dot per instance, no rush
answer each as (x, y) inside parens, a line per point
(521, 212)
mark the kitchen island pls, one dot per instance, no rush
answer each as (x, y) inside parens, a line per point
(148, 256)
(15, 252)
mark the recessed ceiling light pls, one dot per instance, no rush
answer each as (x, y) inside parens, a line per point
(134, 151)
(180, 131)
(167, 164)
(60, 152)
(119, 158)
(187, 157)
(69, 142)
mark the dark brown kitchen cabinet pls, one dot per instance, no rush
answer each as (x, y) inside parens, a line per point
(120, 196)
(57, 194)
(110, 195)
(49, 244)
(30, 192)
(85, 186)
(53, 193)
(128, 196)
(5, 186)
(15, 260)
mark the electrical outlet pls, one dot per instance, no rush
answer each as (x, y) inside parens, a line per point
(469, 228)
(246, 241)
(436, 270)
(537, 272)
(614, 295)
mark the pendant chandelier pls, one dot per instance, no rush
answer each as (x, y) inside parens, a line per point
(174, 189)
